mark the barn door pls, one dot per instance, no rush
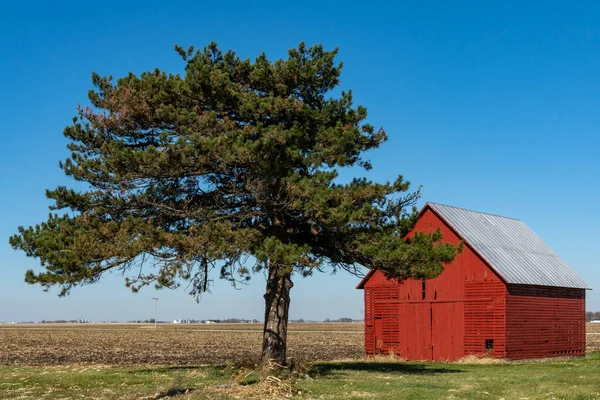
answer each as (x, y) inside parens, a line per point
(447, 331)
(415, 331)
(378, 335)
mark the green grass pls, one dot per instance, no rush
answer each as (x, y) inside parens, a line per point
(554, 379)
(81, 382)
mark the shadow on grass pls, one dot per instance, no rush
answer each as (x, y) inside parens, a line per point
(172, 392)
(165, 369)
(399, 368)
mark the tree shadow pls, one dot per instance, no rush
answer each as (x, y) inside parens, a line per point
(173, 392)
(400, 368)
(163, 369)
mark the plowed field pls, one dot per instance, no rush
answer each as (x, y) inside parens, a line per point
(174, 344)
(593, 338)
(128, 344)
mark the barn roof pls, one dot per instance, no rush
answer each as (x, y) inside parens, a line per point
(513, 250)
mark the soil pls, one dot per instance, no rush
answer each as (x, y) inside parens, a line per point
(181, 344)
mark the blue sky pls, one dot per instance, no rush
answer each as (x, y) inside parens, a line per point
(491, 106)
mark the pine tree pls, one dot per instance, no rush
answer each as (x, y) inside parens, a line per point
(231, 166)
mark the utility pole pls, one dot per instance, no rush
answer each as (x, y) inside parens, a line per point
(155, 310)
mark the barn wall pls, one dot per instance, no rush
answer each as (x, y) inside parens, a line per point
(544, 322)
(400, 318)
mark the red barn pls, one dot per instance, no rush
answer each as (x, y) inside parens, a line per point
(507, 295)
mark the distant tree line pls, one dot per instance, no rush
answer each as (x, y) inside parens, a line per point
(235, 321)
(65, 321)
(592, 316)
(342, 320)
(197, 321)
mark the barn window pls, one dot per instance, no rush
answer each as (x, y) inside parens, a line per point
(489, 344)
(423, 287)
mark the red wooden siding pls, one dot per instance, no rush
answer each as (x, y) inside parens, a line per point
(381, 321)
(399, 319)
(544, 322)
(485, 311)
(415, 336)
(447, 336)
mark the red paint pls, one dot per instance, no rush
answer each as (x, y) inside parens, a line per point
(469, 309)
(545, 322)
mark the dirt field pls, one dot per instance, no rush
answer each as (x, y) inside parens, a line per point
(172, 344)
(593, 338)
(175, 344)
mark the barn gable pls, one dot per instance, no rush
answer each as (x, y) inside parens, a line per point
(468, 265)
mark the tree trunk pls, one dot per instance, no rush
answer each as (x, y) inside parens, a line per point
(277, 302)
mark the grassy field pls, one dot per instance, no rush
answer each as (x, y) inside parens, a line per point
(120, 361)
(556, 379)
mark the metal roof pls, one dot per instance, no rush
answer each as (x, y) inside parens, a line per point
(513, 250)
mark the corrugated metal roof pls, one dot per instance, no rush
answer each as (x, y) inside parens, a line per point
(512, 249)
